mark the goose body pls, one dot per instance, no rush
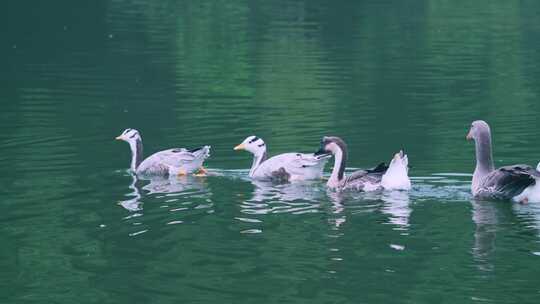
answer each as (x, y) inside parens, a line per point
(392, 177)
(177, 161)
(284, 167)
(516, 182)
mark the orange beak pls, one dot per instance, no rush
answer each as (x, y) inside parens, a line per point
(469, 136)
(239, 147)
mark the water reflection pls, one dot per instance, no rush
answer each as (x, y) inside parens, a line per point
(396, 204)
(530, 214)
(485, 217)
(178, 184)
(164, 190)
(338, 217)
(295, 198)
(134, 203)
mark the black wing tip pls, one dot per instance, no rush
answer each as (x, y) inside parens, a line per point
(380, 168)
(195, 149)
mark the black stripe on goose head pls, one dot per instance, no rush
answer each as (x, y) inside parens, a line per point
(254, 139)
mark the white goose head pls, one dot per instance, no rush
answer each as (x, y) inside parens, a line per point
(133, 138)
(129, 136)
(252, 144)
(255, 146)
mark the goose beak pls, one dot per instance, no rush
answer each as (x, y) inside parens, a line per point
(118, 138)
(240, 147)
(321, 151)
(469, 136)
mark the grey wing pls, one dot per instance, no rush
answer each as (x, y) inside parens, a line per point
(507, 182)
(176, 157)
(305, 160)
(162, 162)
(179, 156)
(289, 166)
(359, 179)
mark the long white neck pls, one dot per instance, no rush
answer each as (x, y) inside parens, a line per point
(338, 172)
(258, 158)
(136, 153)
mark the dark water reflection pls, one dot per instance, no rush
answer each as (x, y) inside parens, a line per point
(77, 228)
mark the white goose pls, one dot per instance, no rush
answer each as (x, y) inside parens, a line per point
(284, 167)
(382, 177)
(178, 161)
(516, 182)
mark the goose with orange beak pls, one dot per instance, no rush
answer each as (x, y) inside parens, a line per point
(515, 182)
(177, 161)
(286, 167)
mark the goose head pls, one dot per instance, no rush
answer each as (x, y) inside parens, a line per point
(133, 138)
(252, 144)
(332, 144)
(130, 136)
(479, 130)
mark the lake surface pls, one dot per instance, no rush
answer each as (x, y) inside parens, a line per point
(76, 227)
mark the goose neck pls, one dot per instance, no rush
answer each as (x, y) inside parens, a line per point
(136, 153)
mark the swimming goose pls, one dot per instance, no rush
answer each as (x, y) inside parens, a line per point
(284, 167)
(392, 177)
(177, 161)
(516, 182)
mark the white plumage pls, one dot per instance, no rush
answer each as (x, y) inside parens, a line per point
(284, 167)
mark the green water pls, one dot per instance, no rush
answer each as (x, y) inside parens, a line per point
(77, 228)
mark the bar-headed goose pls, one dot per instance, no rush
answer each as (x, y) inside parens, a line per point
(284, 167)
(392, 177)
(516, 182)
(177, 161)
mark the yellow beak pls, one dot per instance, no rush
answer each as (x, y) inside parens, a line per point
(240, 147)
(118, 138)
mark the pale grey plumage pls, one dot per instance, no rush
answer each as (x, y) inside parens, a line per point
(284, 167)
(163, 163)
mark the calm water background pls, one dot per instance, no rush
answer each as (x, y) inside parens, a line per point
(76, 227)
